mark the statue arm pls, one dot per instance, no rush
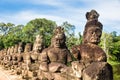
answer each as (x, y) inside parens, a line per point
(44, 61)
(103, 57)
(75, 53)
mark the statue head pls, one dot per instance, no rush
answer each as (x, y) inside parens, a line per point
(28, 47)
(59, 40)
(58, 30)
(38, 44)
(92, 32)
(8, 51)
(59, 37)
(39, 39)
(15, 48)
(11, 50)
(20, 47)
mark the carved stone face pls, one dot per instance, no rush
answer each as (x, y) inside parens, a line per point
(59, 40)
(38, 48)
(16, 48)
(93, 34)
(28, 47)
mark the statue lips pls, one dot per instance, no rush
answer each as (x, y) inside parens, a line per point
(94, 40)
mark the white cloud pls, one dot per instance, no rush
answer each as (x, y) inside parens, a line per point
(108, 10)
(25, 16)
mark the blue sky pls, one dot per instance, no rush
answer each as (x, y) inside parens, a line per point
(73, 11)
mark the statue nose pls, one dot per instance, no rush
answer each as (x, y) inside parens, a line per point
(58, 41)
(94, 34)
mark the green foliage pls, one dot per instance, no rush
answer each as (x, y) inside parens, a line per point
(1, 43)
(115, 51)
(4, 28)
(13, 36)
(106, 40)
(80, 38)
(110, 42)
(69, 29)
(43, 27)
(71, 39)
(10, 40)
(7, 37)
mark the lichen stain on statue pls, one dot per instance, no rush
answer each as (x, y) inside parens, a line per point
(89, 52)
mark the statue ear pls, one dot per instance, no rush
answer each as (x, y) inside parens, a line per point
(87, 15)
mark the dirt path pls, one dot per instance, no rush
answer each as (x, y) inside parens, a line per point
(5, 75)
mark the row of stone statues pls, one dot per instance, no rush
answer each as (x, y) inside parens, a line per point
(56, 62)
(21, 59)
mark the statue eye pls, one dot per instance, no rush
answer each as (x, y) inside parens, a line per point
(91, 32)
(56, 39)
(98, 32)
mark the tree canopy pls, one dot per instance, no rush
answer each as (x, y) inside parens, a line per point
(40, 26)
